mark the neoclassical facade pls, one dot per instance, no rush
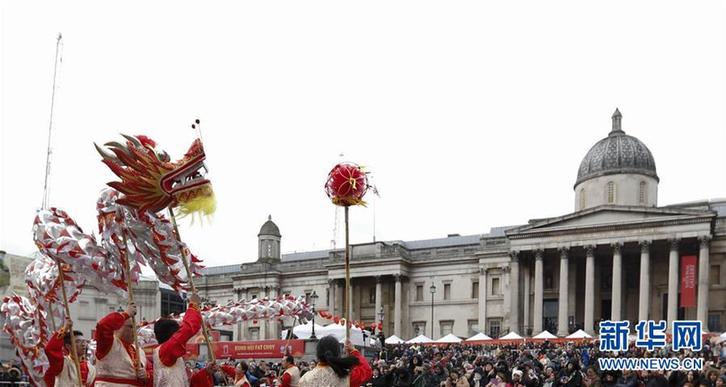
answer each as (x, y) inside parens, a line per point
(617, 256)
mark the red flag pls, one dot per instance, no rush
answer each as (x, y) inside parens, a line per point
(688, 281)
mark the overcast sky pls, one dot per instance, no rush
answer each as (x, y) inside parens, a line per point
(470, 114)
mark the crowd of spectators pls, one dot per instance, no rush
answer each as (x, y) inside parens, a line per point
(544, 364)
(531, 364)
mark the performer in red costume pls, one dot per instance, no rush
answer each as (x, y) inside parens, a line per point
(62, 371)
(169, 369)
(205, 377)
(291, 376)
(118, 361)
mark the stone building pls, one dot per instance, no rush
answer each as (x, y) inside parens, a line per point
(616, 256)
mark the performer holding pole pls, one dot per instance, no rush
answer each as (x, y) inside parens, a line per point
(62, 371)
(169, 369)
(117, 355)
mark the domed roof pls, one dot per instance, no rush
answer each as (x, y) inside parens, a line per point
(618, 153)
(269, 228)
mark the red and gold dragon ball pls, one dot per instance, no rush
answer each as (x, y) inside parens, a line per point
(346, 185)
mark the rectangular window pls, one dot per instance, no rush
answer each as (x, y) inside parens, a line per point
(714, 322)
(84, 309)
(475, 289)
(307, 297)
(447, 291)
(446, 326)
(611, 192)
(254, 333)
(495, 326)
(496, 289)
(473, 326)
(715, 275)
(419, 293)
(419, 328)
(327, 296)
(372, 296)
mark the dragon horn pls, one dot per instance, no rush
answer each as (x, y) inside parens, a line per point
(115, 144)
(132, 140)
(105, 154)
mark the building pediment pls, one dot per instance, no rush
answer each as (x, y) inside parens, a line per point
(612, 216)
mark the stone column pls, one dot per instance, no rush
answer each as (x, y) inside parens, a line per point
(397, 308)
(538, 290)
(616, 307)
(263, 323)
(562, 328)
(526, 298)
(245, 324)
(379, 298)
(331, 300)
(644, 297)
(589, 289)
(350, 300)
(240, 329)
(672, 314)
(273, 325)
(340, 296)
(704, 267)
(514, 285)
(482, 299)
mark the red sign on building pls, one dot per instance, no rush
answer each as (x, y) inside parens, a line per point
(262, 349)
(688, 281)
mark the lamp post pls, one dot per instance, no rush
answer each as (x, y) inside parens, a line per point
(314, 298)
(433, 291)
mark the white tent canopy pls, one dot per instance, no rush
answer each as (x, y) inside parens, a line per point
(338, 331)
(478, 337)
(394, 340)
(511, 336)
(545, 335)
(450, 338)
(419, 339)
(304, 331)
(723, 335)
(580, 334)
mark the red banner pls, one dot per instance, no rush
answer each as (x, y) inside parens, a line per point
(262, 349)
(688, 281)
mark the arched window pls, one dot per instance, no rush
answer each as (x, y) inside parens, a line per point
(643, 193)
(611, 192)
(582, 198)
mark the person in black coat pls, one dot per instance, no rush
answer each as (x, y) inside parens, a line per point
(628, 379)
(655, 379)
(380, 379)
(402, 377)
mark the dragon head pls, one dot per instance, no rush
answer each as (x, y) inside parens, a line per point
(151, 181)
